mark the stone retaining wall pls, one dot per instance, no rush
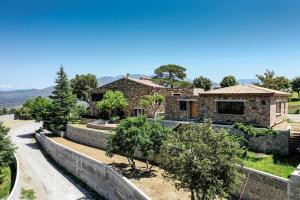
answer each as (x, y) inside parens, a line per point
(100, 177)
(258, 185)
(15, 193)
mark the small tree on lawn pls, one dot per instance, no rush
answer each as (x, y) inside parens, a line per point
(82, 85)
(296, 85)
(202, 160)
(40, 108)
(63, 102)
(126, 139)
(153, 136)
(6, 147)
(152, 103)
(112, 102)
(228, 81)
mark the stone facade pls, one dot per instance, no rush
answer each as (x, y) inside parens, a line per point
(259, 110)
(135, 91)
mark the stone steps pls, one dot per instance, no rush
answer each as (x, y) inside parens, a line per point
(294, 143)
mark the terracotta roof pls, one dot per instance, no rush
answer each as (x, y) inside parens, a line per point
(245, 89)
(145, 81)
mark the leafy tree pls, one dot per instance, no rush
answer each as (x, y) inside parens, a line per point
(153, 136)
(40, 108)
(112, 102)
(202, 160)
(6, 147)
(25, 112)
(203, 82)
(228, 81)
(170, 75)
(63, 102)
(126, 139)
(296, 85)
(271, 81)
(82, 85)
(152, 103)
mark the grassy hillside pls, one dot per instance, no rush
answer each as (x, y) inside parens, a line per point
(294, 104)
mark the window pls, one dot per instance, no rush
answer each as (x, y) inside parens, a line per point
(137, 112)
(263, 102)
(97, 96)
(278, 107)
(176, 94)
(230, 107)
(183, 105)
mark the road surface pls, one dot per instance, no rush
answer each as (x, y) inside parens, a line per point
(38, 174)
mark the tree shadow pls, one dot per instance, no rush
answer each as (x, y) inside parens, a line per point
(26, 136)
(292, 160)
(136, 174)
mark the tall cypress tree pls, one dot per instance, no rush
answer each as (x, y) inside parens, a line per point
(63, 102)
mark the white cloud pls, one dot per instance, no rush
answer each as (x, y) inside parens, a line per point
(9, 87)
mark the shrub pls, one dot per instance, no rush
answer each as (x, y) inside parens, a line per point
(251, 131)
(202, 160)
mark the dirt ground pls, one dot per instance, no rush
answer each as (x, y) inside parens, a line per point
(154, 185)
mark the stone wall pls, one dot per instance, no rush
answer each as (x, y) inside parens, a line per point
(100, 177)
(258, 185)
(259, 110)
(15, 192)
(87, 136)
(276, 118)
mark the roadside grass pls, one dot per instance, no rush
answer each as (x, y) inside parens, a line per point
(281, 166)
(27, 194)
(294, 104)
(5, 182)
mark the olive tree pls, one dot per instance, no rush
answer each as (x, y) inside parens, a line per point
(112, 101)
(228, 81)
(152, 103)
(202, 82)
(202, 160)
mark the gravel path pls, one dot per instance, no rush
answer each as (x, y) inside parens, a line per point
(37, 173)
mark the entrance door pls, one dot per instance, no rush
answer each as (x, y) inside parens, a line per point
(193, 110)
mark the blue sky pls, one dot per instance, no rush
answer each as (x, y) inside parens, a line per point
(213, 38)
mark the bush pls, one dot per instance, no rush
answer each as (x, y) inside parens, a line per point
(136, 134)
(251, 131)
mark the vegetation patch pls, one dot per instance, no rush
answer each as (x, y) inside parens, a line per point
(281, 166)
(28, 194)
(251, 131)
(5, 181)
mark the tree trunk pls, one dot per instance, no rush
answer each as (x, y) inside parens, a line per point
(192, 195)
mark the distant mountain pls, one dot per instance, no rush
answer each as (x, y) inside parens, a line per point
(248, 81)
(15, 98)
(108, 79)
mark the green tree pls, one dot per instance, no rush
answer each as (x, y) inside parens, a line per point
(295, 83)
(25, 111)
(202, 160)
(271, 81)
(6, 147)
(40, 108)
(82, 86)
(63, 102)
(228, 81)
(202, 82)
(153, 136)
(170, 75)
(126, 139)
(152, 103)
(112, 102)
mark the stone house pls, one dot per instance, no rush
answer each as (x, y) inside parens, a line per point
(241, 103)
(135, 90)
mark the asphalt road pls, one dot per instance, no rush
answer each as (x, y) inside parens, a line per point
(37, 173)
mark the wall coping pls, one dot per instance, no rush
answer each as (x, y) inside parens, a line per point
(99, 162)
(265, 174)
(15, 193)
